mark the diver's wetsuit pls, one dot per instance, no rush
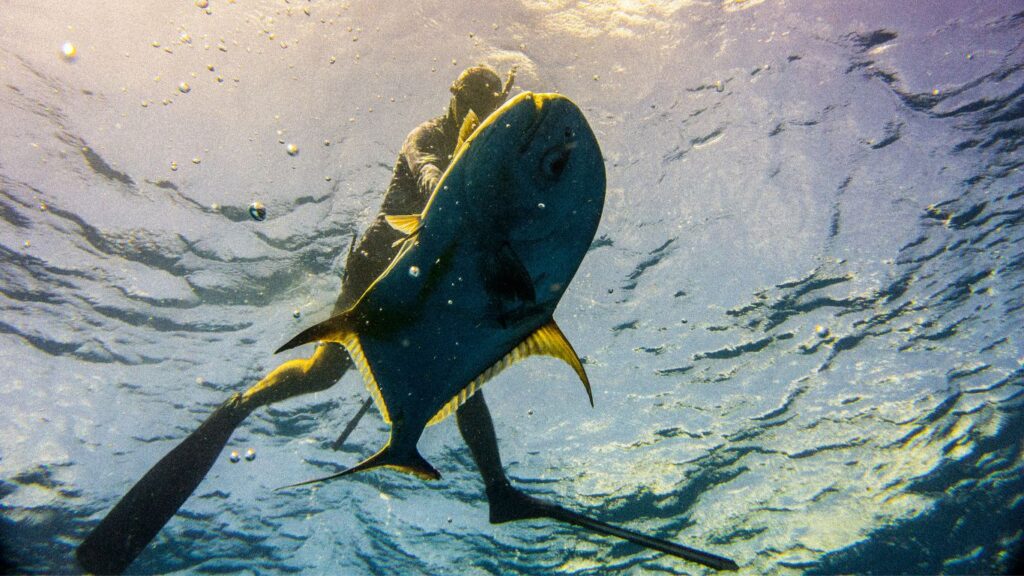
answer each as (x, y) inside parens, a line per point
(424, 157)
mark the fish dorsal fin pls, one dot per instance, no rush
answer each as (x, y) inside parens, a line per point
(547, 340)
(338, 329)
(468, 126)
(407, 224)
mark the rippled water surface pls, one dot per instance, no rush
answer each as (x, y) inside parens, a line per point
(801, 317)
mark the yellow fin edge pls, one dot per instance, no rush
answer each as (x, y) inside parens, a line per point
(351, 343)
(547, 340)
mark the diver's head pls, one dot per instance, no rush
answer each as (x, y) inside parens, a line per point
(478, 89)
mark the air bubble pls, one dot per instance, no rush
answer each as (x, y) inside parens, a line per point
(292, 149)
(69, 51)
(250, 454)
(184, 88)
(258, 211)
(414, 271)
(234, 457)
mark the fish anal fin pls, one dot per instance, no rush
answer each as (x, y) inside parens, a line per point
(548, 340)
(355, 351)
(407, 224)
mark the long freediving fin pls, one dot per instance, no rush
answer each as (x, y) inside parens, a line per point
(126, 530)
(509, 504)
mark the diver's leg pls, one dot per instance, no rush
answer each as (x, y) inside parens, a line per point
(508, 503)
(301, 376)
(126, 530)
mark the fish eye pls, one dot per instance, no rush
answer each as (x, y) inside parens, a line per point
(554, 162)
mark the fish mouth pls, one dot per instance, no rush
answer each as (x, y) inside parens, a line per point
(540, 113)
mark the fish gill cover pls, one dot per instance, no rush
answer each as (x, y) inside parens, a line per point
(801, 314)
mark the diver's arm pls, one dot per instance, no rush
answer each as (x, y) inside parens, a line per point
(424, 152)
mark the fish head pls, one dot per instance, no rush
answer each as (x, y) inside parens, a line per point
(546, 193)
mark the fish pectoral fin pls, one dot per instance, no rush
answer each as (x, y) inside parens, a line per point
(407, 224)
(334, 329)
(506, 277)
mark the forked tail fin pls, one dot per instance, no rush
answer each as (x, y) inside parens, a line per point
(410, 463)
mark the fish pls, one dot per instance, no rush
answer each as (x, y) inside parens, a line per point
(479, 273)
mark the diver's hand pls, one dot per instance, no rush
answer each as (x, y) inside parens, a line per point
(509, 80)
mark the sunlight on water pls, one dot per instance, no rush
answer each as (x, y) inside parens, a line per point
(800, 315)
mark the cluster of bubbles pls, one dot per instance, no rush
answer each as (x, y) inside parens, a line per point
(250, 455)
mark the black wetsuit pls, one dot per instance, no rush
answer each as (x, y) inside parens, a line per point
(424, 157)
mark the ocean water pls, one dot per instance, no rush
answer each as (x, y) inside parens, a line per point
(802, 315)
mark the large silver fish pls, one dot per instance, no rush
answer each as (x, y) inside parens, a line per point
(476, 282)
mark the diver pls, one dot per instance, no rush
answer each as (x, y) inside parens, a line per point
(423, 159)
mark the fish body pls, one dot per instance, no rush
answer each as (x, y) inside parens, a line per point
(476, 282)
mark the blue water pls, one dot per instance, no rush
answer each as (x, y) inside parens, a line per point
(801, 317)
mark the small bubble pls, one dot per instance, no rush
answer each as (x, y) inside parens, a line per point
(821, 331)
(258, 211)
(28, 243)
(414, 271)
(296, 313)
(174, 166)
(450, 302)
(327, 142)
(69, 51)
(250, 454)
(541, 206)
(333, 60)
(234, 457)
(184, 88)
(292, 149)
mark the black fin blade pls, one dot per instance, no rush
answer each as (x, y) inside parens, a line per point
(509, 505)
(126, 530)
